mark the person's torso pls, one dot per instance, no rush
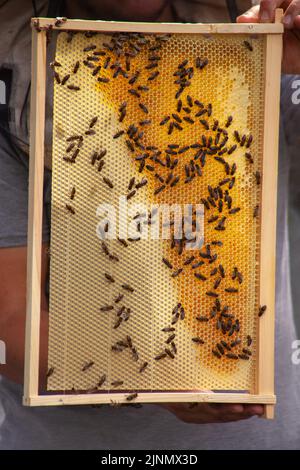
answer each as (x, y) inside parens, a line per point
(15, 60)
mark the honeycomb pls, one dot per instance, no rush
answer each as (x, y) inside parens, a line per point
(183, 112)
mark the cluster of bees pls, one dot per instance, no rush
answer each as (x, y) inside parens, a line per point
(113, 60)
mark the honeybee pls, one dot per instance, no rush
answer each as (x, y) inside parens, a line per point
(70, 209)
(73, 192)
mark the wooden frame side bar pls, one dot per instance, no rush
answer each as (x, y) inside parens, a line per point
(167, 397)
(187, 28)
(266, 329)
(35, 213)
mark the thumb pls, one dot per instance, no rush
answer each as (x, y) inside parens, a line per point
(250, 16)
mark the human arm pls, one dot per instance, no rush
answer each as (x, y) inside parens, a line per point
(13, 253)
(13, 312)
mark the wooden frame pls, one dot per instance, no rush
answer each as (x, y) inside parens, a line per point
(264, 391)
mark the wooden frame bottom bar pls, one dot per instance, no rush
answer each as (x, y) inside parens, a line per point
(184, 397)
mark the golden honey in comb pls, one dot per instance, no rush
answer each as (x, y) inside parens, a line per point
(162, 119)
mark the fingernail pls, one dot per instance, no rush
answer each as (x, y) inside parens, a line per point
(287, 20)
(264, 16)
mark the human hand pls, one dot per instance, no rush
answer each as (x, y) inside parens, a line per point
(265, 12)
(204, 413)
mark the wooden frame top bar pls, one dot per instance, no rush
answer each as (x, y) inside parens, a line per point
(188, 28)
